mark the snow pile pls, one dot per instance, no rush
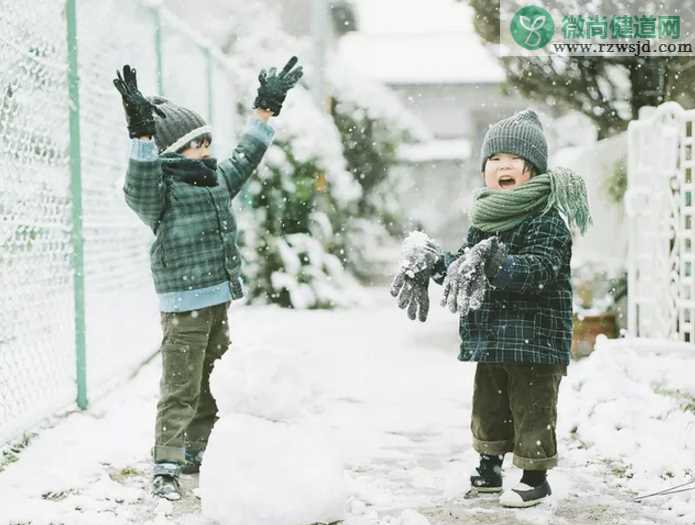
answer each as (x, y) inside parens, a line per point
(412, 517)
(638, 409)
(269, 460)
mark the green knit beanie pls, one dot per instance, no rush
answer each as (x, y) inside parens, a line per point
(520, 134)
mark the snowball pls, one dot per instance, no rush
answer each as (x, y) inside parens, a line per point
(263, 383)
(415, 242)
(260, 472)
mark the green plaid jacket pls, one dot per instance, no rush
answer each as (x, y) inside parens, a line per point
(526, 315)
(194, 259)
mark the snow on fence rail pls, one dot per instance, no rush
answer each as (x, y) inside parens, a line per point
(63, 150)
(660, 209)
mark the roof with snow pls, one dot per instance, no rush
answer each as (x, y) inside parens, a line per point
(419, 43)
(453, 58)
(435, 150)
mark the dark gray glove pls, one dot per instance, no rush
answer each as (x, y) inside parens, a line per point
(274, 87)
(138, 110)
(467, 278)
(411, 283)
(414, 294)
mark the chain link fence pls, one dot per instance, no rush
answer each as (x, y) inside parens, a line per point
(47, 251)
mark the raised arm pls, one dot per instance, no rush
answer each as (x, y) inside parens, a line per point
(144, 188)
(254, 142)
(258, 135)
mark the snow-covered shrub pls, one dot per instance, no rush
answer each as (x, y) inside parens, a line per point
(372, 123)
(291, 222)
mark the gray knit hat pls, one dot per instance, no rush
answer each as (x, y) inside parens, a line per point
(521, 134)
(180, 126)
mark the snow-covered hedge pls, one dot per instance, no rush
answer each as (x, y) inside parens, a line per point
(372, 123)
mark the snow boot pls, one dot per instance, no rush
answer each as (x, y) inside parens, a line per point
(524, 495)
(167, 487)
(489, 478)
(165, 481)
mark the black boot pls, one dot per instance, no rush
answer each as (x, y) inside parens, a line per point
(531, 490)
(489, 478)
(534, 478)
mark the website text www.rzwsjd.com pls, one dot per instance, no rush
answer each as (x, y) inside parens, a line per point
(641, 47)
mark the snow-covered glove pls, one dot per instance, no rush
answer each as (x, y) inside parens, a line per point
(419, 258)
(467, 278)
(274, 87)
(138, 110)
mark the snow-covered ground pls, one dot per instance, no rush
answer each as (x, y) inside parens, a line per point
(395, 402)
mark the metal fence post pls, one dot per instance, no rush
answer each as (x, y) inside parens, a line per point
(76, 196)
(211, 92)
(158, 49)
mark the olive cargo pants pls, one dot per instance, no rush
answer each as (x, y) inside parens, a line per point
(515, 410)
(186, 411)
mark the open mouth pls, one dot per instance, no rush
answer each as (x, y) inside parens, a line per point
(505, 181)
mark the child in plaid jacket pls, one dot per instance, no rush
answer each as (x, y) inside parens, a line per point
(510, 283)
(182, 193)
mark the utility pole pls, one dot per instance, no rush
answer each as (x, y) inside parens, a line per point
(321, 32)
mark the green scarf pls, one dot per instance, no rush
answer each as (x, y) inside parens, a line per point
(501, 210)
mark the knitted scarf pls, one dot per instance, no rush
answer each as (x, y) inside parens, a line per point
(201, 172)
(501, 210)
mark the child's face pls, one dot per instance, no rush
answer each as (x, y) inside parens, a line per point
(504, 171)
(197, 152)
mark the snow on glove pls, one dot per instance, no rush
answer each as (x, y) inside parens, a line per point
(273, 89)
(468, 276)
(411, 283)
(138, 110)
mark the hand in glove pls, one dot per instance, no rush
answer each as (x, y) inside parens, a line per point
(412, 281)
(274, 87)
(138, 109)
(468, 276)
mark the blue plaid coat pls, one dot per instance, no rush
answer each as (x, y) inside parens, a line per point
(526, 315)
(194, 259)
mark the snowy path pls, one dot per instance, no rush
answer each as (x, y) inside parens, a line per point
(392, 390)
